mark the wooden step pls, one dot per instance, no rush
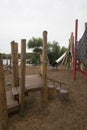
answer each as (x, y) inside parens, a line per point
(64, 94)
(15, 92)
(12, 104)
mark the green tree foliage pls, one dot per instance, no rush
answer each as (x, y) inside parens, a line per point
(54, 50)
(35, 43)
(35, 58)
(5, 56)
(62, 50)
(38, 50)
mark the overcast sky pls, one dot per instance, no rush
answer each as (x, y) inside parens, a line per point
(27, 18)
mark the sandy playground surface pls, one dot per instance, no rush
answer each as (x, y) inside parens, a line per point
(59, 115)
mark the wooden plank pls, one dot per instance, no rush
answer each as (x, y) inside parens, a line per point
(14, 53)
(12, 104)
(56, 81)
(44, 96)
(15, 91)
(3, 104)
(33, 83)
(22, 79)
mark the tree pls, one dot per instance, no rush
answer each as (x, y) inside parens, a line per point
(35, 43)
(62, 50)
(53, 51)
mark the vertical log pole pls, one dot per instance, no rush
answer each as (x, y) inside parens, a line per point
(14, 49)
(75, 53)
(10, 62)
(7, 60)
(72, 47)
(3, 104)
(23, 70)
(41, 66)
(44, 71)
(85, 25)
(86, 66)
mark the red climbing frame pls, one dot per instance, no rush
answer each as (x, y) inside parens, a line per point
(75, 52)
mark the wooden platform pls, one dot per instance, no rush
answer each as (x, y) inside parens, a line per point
(12, 104)
(32, 83)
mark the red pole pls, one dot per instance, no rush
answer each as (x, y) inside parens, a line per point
(75, 53)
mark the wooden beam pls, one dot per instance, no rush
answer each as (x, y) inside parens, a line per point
(75, 51)
(3, 103)
(44, 71)
(56, 81)
(85, 25)
(72, 47)
(23, 70)
(15, 75)
(41, 66)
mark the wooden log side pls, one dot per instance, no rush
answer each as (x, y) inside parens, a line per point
(72, 45)
(23, 70)
(85, 25)
(41, 64)
(14, 53)
(64, 95)
(3, 102)
(12, 104)
(51, 91)
(15, 92)
(25, 91)
(44, 71)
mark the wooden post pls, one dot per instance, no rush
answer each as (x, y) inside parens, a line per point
(23, 70)
(14, 49)
(75, 53)
(72, 47)
(41, 65)
(85, 25)
(7, 60)
(44, 71)
(86, 67)
(10, 61)
(3, 104)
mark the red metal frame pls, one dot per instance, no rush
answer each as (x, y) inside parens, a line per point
(75, 53)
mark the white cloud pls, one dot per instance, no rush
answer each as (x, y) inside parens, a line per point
(27, 18)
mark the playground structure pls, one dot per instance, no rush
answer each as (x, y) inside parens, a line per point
(76, 54)
(14, 99)
(8, 103)
(80, 52)
(67, 57)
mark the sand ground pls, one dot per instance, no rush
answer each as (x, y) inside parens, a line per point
(60, 114)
